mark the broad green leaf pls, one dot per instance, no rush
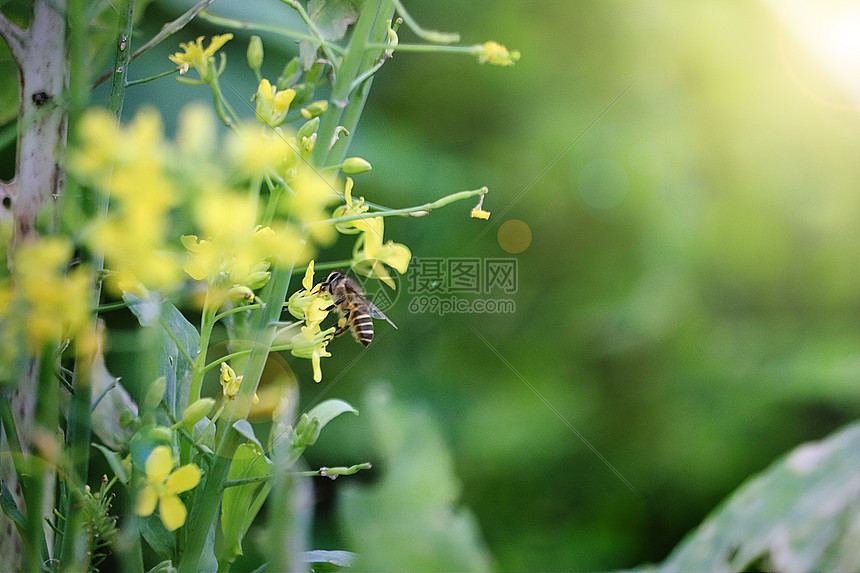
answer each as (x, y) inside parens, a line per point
(418, 492)
(115, 462)
(801, 514)
(329, 410)
(331, 18)
(240, 504)
(172, 363)
(159, 539)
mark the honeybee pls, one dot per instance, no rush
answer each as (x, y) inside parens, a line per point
(355, 309)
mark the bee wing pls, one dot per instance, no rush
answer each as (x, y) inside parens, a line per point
(378, 314)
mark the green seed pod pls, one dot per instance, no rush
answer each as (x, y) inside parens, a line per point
(160, 434)
(155, 393)
(195, 412)
(355, 165)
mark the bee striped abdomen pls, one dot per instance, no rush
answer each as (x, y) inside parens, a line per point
(362, 327)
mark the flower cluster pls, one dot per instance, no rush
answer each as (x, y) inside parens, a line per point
(43, 302)
(312, 305)
(370, 254)
(130, 164)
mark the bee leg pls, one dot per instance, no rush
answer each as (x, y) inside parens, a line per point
(336, 304)
(342, 326)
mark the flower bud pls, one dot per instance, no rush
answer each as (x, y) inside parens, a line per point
(257, 279)
(310, 127)
(160, 434)
(195, 412)
(314, 109)
(241, 293)
(155, 393)
(289, 74)
(355, 165)
(255, 53)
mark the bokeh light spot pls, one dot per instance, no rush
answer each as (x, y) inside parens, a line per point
(603, 183)
(515, 236)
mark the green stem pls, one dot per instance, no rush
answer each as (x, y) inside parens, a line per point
(472, 50)
(371, 19)
(207, 321)
(417, 211)
(237, 310)
(166, 31)
(326, 266)
(221, 104)
(352, 112)
(111, 306)
(151, 78)
(429, 35)
(244, 25)
(318, 37)
(47, 415)
(122, 57)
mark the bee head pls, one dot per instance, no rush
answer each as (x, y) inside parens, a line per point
(333, 277)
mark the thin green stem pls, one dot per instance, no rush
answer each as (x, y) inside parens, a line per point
(207, 322)
(429, 35)
(318, 37)
(166, 31)
(325, 266)
(244, 25)
(417, 211)
(222, 105)
(111, 306)
(427, 48)
(151, 78)
(237, 310)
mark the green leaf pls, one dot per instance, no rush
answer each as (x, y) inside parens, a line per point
(241, 504)
(247, 431)
(331, 18)
(156, 535)
(172, 363)
(798, 515)
(115, 462)
(418, 492)
(329, 410)
(339, 558)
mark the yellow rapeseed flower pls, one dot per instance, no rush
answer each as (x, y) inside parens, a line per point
(272, 105)
(230, 383)
(162, 488)
(194, 55)
(496, 54)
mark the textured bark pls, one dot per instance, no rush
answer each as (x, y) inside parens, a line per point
(39, 173)
(39, 53)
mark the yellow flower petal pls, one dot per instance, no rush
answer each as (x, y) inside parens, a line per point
(308, 281)
(183, 479)
(158, 464)
(172, 512)
(146, 500)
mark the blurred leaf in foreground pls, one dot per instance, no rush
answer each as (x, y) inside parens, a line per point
(409, 520)
(801, 514)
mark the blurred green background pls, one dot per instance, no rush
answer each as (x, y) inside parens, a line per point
(687, 305)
